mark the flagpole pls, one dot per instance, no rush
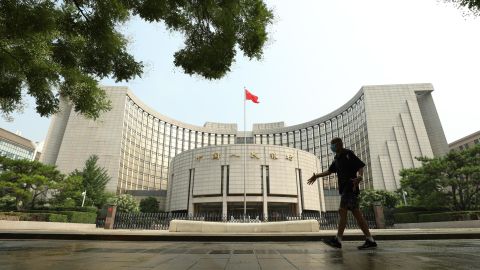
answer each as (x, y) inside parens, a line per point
(245, 152)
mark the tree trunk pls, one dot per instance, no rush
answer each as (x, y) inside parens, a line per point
(462, 202)
(467, 194)
(34, 197)
(17, 204)
(454, 196)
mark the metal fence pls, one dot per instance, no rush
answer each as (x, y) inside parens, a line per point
(161, 221)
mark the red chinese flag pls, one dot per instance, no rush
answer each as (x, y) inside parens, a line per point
(250, 96)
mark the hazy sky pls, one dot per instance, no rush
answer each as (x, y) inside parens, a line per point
(320, 54)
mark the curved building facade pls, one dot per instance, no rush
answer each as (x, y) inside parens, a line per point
(387, 126)
(211, 180)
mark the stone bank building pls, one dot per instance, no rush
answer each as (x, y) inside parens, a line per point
(200, 168)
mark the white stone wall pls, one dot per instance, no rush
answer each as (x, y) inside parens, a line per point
(84, 137)
(55, 133)
(432, 124)
(207, 178)
(206, 187)
(396, 131)
(179, 173)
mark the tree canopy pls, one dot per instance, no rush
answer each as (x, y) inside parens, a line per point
(472, 5)
(27, 181)
(450, 181)
(53, 48)
(26, 184)
(94, 180)
(369, 197)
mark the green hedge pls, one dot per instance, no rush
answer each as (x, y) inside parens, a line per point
(83, 217)
(411, 217)
(449, 216)
(61, 209)
(62, 216)
(34, 216)
(79, 217)
(410, 209)
(406, 217)
(57, 218)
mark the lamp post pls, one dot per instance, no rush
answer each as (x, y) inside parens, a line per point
(404, 194)
(84, 194)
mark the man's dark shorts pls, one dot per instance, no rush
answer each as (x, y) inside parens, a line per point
(349, 201)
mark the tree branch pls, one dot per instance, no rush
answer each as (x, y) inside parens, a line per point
(14, 58)
(80, 10)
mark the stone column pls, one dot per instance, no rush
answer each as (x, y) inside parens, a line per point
(299, 193)
(264, 193)
(110, 218)
(191, 209)
(379, 216)
(224, 193)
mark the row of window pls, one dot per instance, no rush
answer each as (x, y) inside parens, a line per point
(466, 146)
(13, 151)
(148, 140)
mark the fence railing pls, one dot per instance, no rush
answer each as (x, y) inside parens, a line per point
(161, 221)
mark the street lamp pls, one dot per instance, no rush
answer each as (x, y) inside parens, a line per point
(84, 194)
(404, 193)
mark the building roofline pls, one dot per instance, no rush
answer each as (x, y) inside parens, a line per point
(231, 128)
(464, 138)
(17, 139)
(208, 127)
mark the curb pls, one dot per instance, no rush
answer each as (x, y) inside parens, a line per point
(227, 237)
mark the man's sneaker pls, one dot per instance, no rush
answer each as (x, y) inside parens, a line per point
(368, 245)
(333, 242)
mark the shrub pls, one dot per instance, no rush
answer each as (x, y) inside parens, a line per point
(368, 198)
(149, 205)
(34, 216)
(57, 218)
(7, 202)
(14, 216)
(408, 209)
(69, 202)
(61, 208)
(72, 216)
(126, 203)
(411, 217)
(83, 217)
(79, 217)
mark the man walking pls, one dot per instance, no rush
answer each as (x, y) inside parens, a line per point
(349, 170)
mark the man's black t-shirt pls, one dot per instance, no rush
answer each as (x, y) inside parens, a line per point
(346, 164)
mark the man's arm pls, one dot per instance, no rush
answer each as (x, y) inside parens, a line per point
(358, 179)
(318, 175)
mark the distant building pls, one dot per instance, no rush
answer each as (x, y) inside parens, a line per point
(15, 146)
(387, 126)
(465, 142)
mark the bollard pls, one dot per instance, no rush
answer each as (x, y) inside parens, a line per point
(110, 219)
(379, 216)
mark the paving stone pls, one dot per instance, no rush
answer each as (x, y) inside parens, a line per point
(102, 255)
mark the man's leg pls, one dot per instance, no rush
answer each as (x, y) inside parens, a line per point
(362, 223)
(342, 223)
(336, 242)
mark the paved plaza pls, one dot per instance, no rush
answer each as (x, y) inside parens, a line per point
(99, 255)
